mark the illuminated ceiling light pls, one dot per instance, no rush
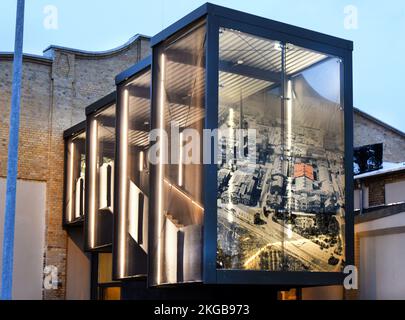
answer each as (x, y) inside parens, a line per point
(240, 61)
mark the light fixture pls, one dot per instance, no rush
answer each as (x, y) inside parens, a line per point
(141, 160)
(123, 147)
(70, 181)
(92, 174)
(180, 178)
(161, 158)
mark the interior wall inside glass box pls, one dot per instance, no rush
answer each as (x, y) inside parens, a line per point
(280, 200)
(177, 186)
(101, 176)
(75, 175)
(133, 188)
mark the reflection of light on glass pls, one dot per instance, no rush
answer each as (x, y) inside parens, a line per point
(198, 205)
(289, 138)
(123, 181)
(277, 46)
(230, 216)
(231, 117)
(289, 116)
(180, 180)
(230, 185)
(141, 161)
(289, 231)
(70, 181)
(161, 157)
(93, 169)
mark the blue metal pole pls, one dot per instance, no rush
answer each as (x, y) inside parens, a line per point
(12, 161)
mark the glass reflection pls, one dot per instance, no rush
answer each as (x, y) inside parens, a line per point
(178, 213)
(133, 187)
(75, 176)
(101, 177)
(280, 197)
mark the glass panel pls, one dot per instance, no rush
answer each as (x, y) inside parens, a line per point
(250, 75)
(315, 151)
(75, 173)
(177, 182)
(281, 175)
(111, 293)
(104, 268)
(133, 176)
(101, 176)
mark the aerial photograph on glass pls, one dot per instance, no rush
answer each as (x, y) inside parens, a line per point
(280, 197)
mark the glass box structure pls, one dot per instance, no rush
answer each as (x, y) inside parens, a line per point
(223, 158)
(75, 168)
(100, 150)
(132, 167)
(251, 152)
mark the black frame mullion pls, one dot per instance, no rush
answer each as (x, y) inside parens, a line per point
(210, 170)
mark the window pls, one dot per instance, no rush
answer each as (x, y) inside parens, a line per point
(131, 235)
(177, 183)
(280, 189)
(394, 192)
(75, 177)
(101, 128)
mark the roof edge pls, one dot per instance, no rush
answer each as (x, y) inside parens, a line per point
(85, 53)
(27, 57)
(379, 122)
(138, 67)
(252, 19)
(101, 103)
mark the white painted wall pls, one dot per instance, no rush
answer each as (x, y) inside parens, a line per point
(78, 273)
(395, 192)
(382, 267)
(395, 220)
(358, 195)
(29, 238)
(356, 199)
(382, 259)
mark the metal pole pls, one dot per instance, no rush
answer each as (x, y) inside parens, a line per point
(12, 161)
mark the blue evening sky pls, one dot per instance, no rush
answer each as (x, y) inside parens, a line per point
(379, 62)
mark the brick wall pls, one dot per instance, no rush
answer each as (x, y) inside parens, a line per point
(376, 185)
(367, 131)
(55, 92)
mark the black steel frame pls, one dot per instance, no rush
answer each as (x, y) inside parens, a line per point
(92, 109)
(216, 17)
(67, 134)
(121, 80)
